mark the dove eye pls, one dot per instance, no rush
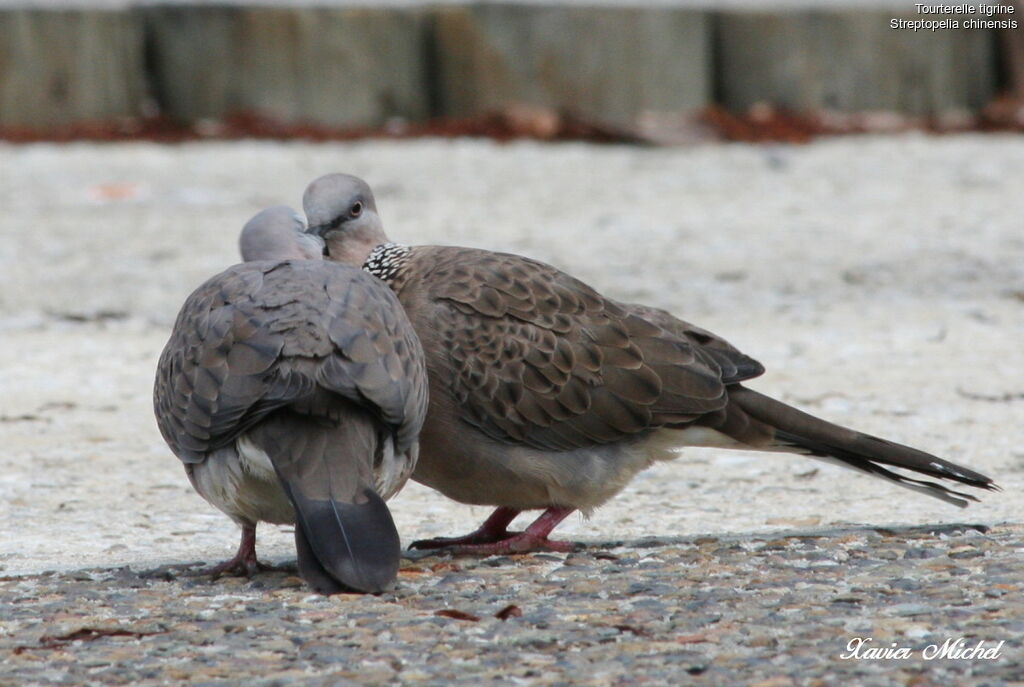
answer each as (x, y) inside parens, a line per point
(356, 209)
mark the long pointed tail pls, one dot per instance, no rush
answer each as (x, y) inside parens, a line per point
(789, 429)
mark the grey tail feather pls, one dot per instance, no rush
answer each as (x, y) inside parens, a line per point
(345, 536)
(310, 568)
(347, 546)
(799, 430)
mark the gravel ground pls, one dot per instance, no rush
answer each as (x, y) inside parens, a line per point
(766, 611)
(879, 279)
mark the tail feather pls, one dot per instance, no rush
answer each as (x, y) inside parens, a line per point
(345, 537)
(310, 568)
(846, 459)
(346, 546)
(792, 429)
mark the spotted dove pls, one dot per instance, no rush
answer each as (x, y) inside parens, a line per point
(278, 233)
(544, 394)
(294, 387)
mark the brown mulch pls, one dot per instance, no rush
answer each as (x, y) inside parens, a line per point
(761, 123)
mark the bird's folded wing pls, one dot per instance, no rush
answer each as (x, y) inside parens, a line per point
(537, 357)
(735, 365)
(378, 357)
(262, 335)
(218, 374)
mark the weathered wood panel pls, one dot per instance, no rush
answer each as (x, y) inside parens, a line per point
(63, 66)
(851, 60)
(604, 63)
(334, 66)
(344, 65)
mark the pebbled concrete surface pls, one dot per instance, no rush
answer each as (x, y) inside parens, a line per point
(772, 611)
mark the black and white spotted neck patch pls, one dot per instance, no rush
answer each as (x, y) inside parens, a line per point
(385, 261)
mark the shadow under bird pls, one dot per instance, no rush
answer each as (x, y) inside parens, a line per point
(544, 394)
(293, 390)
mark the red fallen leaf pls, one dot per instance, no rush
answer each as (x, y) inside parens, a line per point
(442, 567)
(692, 639)
(458, 615)
(85, 634)
(114, 191)
(638, 631)
(510, 611)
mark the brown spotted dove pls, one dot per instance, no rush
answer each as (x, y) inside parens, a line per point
(293, 391)
(544, 394)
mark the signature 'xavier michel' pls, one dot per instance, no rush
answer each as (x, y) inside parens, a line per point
(544, 394)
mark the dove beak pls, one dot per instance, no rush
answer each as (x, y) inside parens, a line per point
(319, 230)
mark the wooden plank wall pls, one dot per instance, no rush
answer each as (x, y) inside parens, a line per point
(361, 66)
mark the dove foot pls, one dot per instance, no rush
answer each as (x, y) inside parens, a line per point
(493, 537)
(244, 563)
(495, 528)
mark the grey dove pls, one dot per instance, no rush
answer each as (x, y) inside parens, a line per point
(544, 394)
(293, 390)
(278, 233)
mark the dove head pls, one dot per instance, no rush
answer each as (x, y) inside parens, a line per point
(341, 210)
(277, 233)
